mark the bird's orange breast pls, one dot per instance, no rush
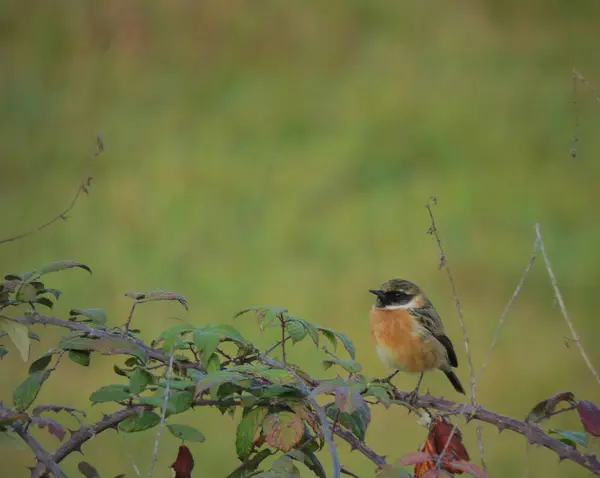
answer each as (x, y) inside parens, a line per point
(403, 344)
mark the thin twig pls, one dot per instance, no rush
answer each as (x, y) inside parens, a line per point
(282, 341)
(163, 414)
(83, 188)
(587, 84)
(563, 308)
(433, 230)
(517, 291)
(129, 318)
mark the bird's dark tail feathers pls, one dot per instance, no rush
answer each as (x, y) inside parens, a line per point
(455, 381)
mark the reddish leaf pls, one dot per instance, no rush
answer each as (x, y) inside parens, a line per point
(54, 428)
(438, 436)
(184, 463)
(589, 414)
(547, 407)
(435, 473)
(283, 430)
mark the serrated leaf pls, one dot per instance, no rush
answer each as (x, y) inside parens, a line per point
(97, 316)
(283, 430)
(18, 334)
(180, 402)
(348, 400)
(26, 293)
(157, 401)
(104, 345)
(247, 431)
(278, 376)
(390, 471)
(581, 438)
(80, 357)
(589, 414)
(62, 265)
(296, 330)
(206, 343)
(348, 345)
(217, 378)
(349, 365)
(266, 314)
(26, 393)
(110, 393)
(139, 380)
(381, 392)
(140, 422)
(40, 363)
(283, 467)
(185, 432)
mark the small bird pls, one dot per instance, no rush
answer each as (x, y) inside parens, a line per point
(408, 333)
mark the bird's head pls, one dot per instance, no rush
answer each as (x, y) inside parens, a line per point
(398, 294)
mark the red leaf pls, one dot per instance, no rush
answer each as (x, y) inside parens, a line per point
(589, 414)
(414, 458)
(184, 463)
(54, 428)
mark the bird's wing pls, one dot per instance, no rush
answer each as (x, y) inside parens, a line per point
(430, 319)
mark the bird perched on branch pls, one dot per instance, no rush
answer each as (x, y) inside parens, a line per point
(408, 333)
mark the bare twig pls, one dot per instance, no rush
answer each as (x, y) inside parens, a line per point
(434, 231)
(83, 188)
(587, 84)
(282, 341)
(346, 471)
(563, 307)
(517, 291)
(129, 318)
(163, 414)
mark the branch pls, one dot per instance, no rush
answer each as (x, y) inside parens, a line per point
(83, 188)
(44, 458)
(533, 433)
(563, 307)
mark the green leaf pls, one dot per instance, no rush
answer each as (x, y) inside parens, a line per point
(21, 276)
(62, 265)
(96, 316)
(140, 422)
(80, 357)
(206, 343)
(44, 301)
(110, 393)
(157, 401)
(348, 345)
(283, 430)
(357, 421)
(382, 392)
(226, 331)
(349, 365)
(18, 333)
(348, 400)
(3, 351)
(310, 460)
(104, 345)
(247, 431)
(179, 329)
(26, 293)
(213, 365)
(139, 380)
(283, 467)
(580, 438)
(279, 377)
(390, 471)
(296, 330)
(266, 314)
(26, 393)
(217, 378)
(180, 402)
(185, 432)
(40, 363)
(163, 295)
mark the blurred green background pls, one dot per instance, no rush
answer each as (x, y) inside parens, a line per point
(282, 153)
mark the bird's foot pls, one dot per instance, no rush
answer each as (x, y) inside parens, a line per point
(387, 379)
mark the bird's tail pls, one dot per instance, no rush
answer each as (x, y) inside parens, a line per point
(455, 381)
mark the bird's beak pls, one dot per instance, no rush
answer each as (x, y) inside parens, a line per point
(377, 292)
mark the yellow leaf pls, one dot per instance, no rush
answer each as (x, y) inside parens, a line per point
(19, 335)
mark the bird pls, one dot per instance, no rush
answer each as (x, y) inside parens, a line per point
(408, 333)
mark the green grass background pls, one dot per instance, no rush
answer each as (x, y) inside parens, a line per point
(283, 152)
